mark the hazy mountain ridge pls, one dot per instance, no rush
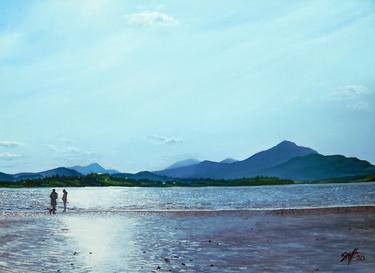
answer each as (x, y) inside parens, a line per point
(145, 175)
(60, 171)
(5, 177)
(75, 171)
(184, 163)
(92, 168)
(317, 166)
(249, 167)
(285, 160)
(229, 160)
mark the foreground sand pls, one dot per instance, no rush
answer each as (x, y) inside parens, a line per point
(195, 241)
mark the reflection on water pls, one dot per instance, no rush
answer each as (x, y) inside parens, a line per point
(70, 243)
(34, 242)
(101, 241)
(183, 242)
(119, 199)
(99, 234)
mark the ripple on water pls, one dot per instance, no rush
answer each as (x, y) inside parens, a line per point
(210, 198)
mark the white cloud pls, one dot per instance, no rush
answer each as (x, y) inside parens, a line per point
(69, 153)
(348, 92)
(165, 140)
(353, 97)
(151, 18)
(52, 148)
(9, 143)
(9, 156)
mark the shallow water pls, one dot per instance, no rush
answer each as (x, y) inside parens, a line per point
(182, 242)
(207, 198)
(132, 230)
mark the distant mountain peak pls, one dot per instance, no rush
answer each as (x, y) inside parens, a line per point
(249, 167)
(90, 165)
(92, 168)
(290, 146)
(95, 165)
(184, 163)
(287, 143)
(229, 160)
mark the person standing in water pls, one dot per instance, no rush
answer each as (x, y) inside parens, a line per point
(64, 199)
(53, 197)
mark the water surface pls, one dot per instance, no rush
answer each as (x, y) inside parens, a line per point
(112, 230)
(182, 198)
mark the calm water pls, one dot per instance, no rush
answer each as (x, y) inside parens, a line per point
(211, 198)
(184, 242)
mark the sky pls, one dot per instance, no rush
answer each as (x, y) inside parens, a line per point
(138, 85)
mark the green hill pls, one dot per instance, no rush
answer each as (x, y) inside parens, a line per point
(317, 167)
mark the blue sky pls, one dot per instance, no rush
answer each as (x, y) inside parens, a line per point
(137, 85)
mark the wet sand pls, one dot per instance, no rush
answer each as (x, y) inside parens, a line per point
(300, 240)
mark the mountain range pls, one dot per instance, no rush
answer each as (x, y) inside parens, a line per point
(75, 171)
(184, 163)
(319, 167)
(145, 175)
(286, 160)
(61, 171)
(92, 168)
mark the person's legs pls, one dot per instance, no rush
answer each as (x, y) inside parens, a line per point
(64, 207)
(54, 209)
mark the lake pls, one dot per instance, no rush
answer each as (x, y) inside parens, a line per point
(207, 198)
(209, 229)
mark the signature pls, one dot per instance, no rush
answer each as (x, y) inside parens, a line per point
(348, 256)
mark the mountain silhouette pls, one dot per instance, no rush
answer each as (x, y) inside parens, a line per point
(249, 167)
(144, 175)
(316, 166)
(92, 168)
(184, 163)
(5, 177)
(61, 171)
(285, 160)
(229, 160)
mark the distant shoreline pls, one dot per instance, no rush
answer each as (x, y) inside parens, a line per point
(105, 180)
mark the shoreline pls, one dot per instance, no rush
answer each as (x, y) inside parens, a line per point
(15, 186)
(369, 208)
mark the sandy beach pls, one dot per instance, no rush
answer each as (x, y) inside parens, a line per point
(302, 240)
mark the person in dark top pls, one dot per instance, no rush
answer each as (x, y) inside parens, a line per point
(53, 197)
(64, 199)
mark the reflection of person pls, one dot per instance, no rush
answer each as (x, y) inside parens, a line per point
(64, 198)
(53, 197)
